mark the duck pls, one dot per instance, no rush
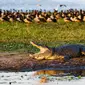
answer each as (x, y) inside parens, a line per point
(76, 19)
(1, 19)
(42, 18)
(53, 18)
(67, 19)
(57, 16)
(84, 18)
(72, 19)
(10, 18)
(37, 19)
(28, 20)
(49, 19)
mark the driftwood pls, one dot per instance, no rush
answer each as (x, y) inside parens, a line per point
(24, 62)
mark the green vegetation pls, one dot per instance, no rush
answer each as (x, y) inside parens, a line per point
(16, 36)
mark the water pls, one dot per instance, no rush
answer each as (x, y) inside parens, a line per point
(55, 77)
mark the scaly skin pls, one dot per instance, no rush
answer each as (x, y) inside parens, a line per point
(63, 52)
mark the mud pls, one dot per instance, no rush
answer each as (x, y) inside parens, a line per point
(25, 62)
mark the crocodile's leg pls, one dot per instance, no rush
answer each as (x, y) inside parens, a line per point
(83, 51)
(67, 57)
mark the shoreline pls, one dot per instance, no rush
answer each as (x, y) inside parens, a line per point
(23, 62)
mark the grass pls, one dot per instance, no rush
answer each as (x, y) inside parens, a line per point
(16, 36)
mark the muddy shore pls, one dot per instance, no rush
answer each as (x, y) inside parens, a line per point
(23, 62)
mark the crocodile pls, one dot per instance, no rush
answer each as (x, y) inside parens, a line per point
(64, 52)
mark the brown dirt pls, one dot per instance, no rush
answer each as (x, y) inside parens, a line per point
(23, 61)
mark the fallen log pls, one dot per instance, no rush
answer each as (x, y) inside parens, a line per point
(24, 62)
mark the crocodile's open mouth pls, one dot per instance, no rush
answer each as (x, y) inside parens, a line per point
(46, 53)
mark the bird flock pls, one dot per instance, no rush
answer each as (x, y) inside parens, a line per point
(39, 16)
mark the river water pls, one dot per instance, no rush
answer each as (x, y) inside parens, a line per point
(55, 77)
